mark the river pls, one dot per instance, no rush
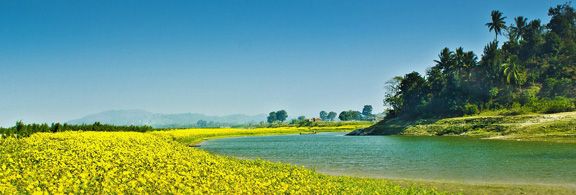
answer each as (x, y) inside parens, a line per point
(447, 159)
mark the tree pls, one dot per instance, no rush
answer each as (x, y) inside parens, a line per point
(445, 61)
(201, 123)
(323, 115)
(519, 29)
(490, 63)
(281, 115)
(497, 23)
(350, 115)
(331, 116)
(56, 127)
(392, 97)
(511, 73)
(20, 127)
(272, 117)
(413, 88)
(563, 21)
(535, 56)
(367, 112)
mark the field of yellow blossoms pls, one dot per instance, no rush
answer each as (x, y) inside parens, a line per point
(198, 135)
(130, 162)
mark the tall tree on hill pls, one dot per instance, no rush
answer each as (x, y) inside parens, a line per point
(497, 23)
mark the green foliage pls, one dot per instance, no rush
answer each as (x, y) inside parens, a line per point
(535, 66)
(558, 104)
(517, 109)
(281, 115)
(529, 95)
(331, 116)
(471, 109)
(20, 129)
(278, 116)
(324, 115)
(350, 115)
(271, 117)
(367, 110)
(302, 121)
(497, 23)
(201, 123)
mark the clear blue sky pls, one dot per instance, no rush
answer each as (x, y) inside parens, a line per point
(61, 60)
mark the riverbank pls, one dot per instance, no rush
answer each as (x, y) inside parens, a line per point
(415, 168)
(481, 189)
(455, 187)
(558, 127)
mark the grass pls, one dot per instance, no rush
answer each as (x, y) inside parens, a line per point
(558, 127)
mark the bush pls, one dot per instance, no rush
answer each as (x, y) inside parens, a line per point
(517, 109)
(471, 109)
(529, 96)
(558, 104)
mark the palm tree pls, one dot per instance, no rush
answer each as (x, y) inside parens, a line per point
(512, 73)
(446, 59)
(462, 63)
(519, 29)
(490, 63)
(497, 23)
(469, 62)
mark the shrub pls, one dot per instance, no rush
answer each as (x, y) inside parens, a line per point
(471, 109)
(529, 95)
(558, 104)
(517, 109)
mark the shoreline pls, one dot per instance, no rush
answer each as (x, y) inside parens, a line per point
(557, 127)
(454, 182)
(443, 185)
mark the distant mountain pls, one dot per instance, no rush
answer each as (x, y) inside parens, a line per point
(141, 117)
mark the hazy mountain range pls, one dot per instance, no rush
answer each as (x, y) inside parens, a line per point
(156, 120)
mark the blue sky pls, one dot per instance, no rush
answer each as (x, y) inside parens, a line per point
(61, 60)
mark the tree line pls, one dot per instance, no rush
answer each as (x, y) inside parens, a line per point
(278, 116)
(534, 70)
(22, 130)
(365, 115)
(350, 115)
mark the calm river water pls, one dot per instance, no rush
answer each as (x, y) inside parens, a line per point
(456, 159)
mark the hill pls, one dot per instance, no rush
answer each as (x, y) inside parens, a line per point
(156, 120)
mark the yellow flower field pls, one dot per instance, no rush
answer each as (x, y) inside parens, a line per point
(129, 162)
(197, 135)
